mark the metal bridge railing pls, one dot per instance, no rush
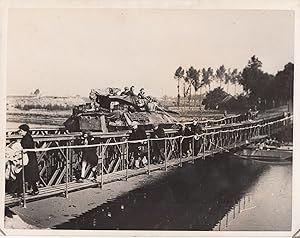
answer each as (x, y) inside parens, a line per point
(57, 163)
(63, 131)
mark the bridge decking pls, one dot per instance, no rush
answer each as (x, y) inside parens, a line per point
(59, 190)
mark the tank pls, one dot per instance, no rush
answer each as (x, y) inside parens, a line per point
(107, 112)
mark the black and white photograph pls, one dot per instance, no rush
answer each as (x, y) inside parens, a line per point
(175, 118)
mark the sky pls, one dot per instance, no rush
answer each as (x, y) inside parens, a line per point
(66, 52)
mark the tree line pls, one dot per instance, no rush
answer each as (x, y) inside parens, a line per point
(196, 79)
(259, 88)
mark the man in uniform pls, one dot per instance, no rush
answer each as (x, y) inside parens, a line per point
(141, 94)
(131, 92)
(185, 131)
(125, 92)
(196, 130)
(136, 150)
(158, 145)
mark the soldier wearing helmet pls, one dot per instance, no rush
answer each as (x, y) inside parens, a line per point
(125, 92)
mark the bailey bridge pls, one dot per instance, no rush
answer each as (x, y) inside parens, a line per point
(59, 152)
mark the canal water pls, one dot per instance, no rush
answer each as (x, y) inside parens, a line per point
(220, 193)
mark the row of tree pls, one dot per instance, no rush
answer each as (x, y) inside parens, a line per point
(199, 78)
(260, 88)
(267, 89)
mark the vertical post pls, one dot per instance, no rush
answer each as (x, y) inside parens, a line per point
(193, 149)
(127, 160)
(122, 157)
(239, 206)
(211, 141)
(71, 161)
(235, 137)
(234, 211)
(102, 165)
(204, 143)
(23, 180)
(148, 142)
(166, 155)
(67, 171)
(227, 219)
(249, 133)
(180, 152)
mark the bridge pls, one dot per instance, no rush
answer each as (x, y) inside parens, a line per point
(59, 152)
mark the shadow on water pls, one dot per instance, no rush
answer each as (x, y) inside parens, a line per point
(194, 197)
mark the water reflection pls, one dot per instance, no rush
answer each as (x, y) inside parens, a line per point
(194, 197)
(244, 204)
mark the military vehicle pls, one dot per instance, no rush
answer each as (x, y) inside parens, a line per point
(109, 112)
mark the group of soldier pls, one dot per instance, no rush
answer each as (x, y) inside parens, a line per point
(145, 103)
(138, 150)
(130, 92)
(138, 154)
(138, 146)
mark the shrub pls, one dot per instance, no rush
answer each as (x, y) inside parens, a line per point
(49, 107)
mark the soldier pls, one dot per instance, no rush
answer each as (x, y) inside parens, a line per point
(31, 170)
(141, 94)
(158, 146)
(125, 92)
(196, 130)
(89, 156)
(131, 91)
(249, 114)
(185, 131)
(137, 149)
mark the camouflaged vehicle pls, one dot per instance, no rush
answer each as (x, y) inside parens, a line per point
(109, 112)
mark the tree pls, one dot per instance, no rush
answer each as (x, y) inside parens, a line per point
(220, 73)
(192, 78)
(214, 98)
(185, 91)
(251, 73)
(228, 75)
(197, 84)
(238, 104)
(207, 76)
(235, 78)
(257, 83)
(284, 83)
(179, 73)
